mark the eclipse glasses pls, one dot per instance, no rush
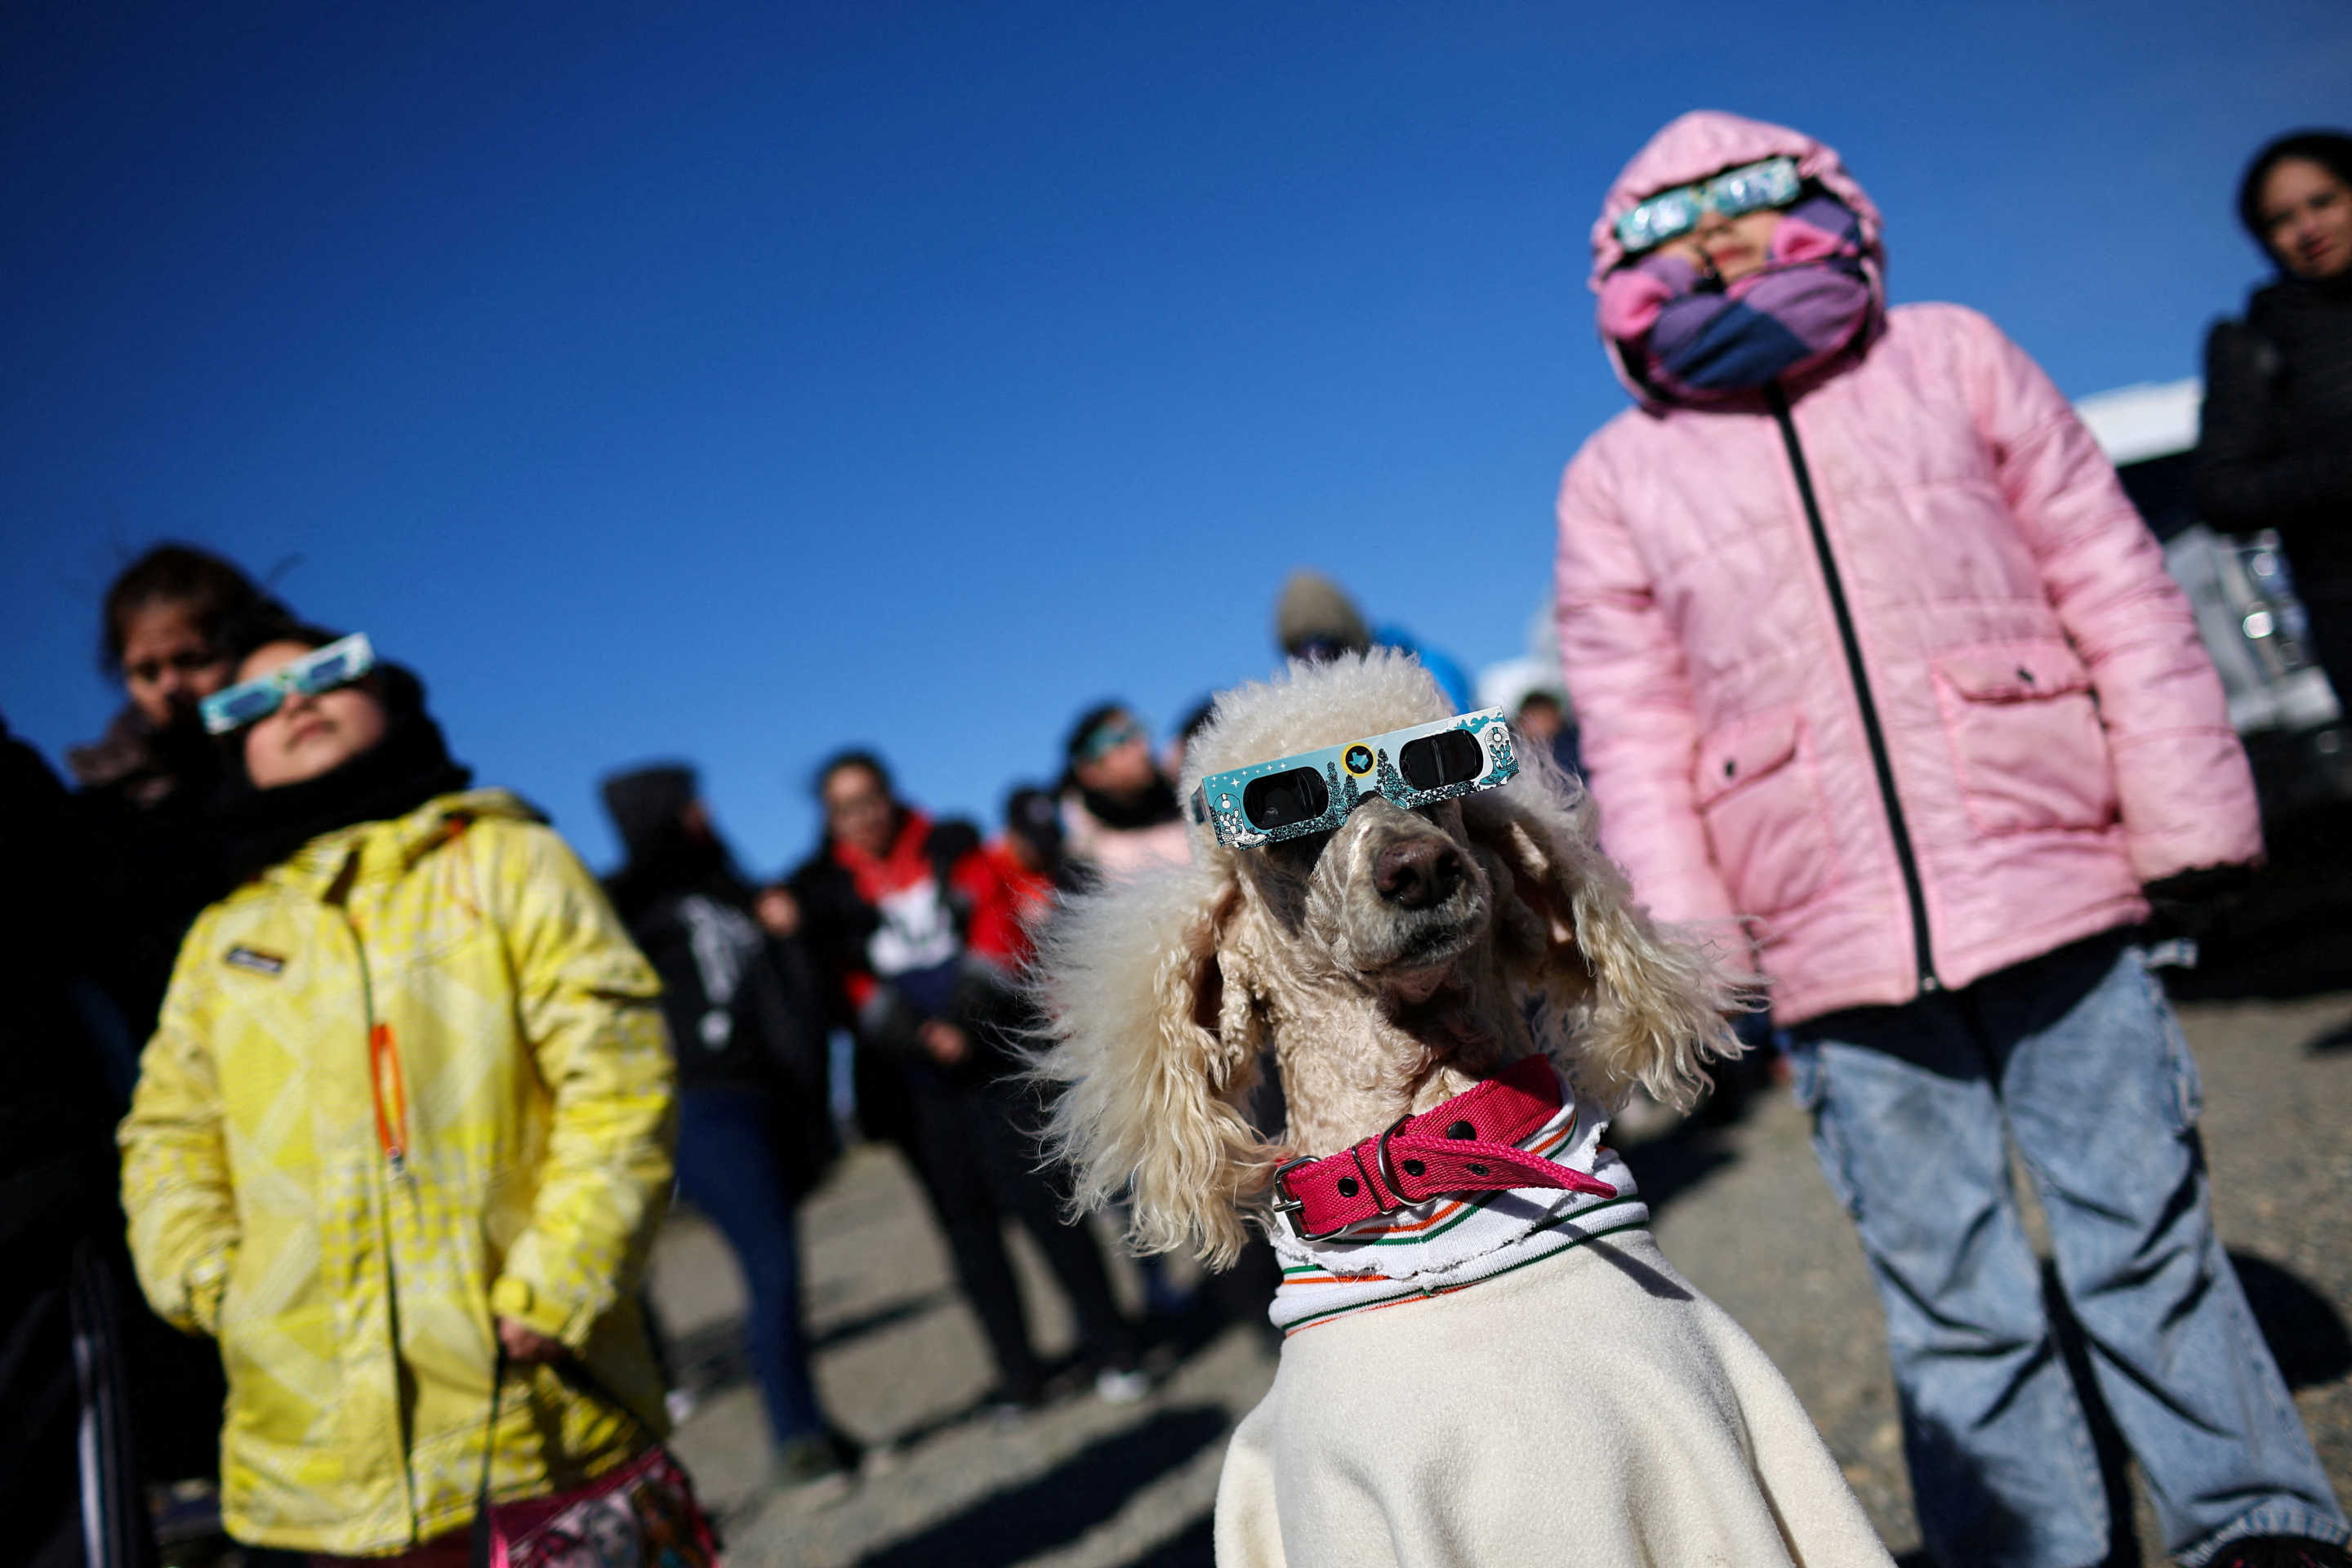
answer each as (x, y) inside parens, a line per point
(1312, 792)
(1774, 182)
(249, 702)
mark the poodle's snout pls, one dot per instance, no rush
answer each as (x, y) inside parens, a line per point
(1417, 873)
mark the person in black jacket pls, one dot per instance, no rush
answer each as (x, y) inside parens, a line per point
(919, 932)
(755, 1128)
(167, 632)
(2276, 450)
(68, 1473)
(170, 627)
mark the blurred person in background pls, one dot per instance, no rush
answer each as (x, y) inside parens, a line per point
(1869, 645)
(405, 1119)
(1180, 740)
(2276, 445)
(1109, 776)
(919, 936)
(69, 1477)
(1544, 720)
(755, 1125)
(149, 781)
(1118, 809)
(1314, 619)
(155, 857)
(1028, 854)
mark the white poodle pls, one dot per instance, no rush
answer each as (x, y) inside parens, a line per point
(1547, 1387)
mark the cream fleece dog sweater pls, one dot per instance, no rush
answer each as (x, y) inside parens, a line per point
(1591, 1409)
(1521, 1377)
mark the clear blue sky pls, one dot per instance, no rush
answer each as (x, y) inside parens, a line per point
(735, 381)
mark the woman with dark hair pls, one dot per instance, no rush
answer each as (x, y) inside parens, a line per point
(755, 1129)
(2276, 449)
(403, 1133)
(163, 634)
(166, 630)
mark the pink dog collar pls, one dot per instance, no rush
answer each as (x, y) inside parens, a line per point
(1465, 1145)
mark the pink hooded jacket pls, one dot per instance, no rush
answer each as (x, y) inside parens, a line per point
(1952, 726)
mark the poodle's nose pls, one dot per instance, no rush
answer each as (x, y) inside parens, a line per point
(1417, 872)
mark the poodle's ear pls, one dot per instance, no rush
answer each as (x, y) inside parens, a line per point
(1625, 1002)
(1155, 1036)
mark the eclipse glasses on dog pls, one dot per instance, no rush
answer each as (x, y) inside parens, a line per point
(1774, 182)
(249, 702)
(1312, 792)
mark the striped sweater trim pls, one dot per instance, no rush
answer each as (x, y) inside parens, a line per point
(1451, 1243)
(1362, 1298)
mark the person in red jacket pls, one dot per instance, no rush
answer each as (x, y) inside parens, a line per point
(920, 936)
(1029, 855)
(1869, 650)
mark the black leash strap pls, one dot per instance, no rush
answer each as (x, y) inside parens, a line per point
(571, 1371)
(490, 1444)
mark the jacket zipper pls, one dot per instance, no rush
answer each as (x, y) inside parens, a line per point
(391, 1130)
(1879, 761)
(395, 1159)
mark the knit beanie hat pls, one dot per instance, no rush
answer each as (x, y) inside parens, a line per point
(645, 803)
(1316, 614)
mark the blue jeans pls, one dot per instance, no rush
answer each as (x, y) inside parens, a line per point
(727, 1168)
(2076, 1057)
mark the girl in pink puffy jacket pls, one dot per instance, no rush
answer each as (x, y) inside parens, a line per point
(1872, 654)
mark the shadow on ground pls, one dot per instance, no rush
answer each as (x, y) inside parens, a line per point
(715, 1358)
(2307, 1338)
(2336, 1038)
(1067, 1500)
(1194, 1546)
(1680, 1157)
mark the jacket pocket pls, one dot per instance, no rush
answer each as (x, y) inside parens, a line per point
(240, 1366)
(1764, 822)
(2026, 738)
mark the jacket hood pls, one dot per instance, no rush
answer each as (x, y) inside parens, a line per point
(645, 805)
(1707, 142)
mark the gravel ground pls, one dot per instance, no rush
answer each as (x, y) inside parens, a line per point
(901, 1363)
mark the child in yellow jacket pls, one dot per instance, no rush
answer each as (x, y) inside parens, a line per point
(410, 1098)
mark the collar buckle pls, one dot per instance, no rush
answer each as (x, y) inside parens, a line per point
(1388, 1169)
(1293, 1208)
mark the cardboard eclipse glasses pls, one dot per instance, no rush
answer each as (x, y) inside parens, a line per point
(249, 702)
(1312, 792)
(1774, 182)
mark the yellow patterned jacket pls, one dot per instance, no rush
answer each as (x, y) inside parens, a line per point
(410, 1077)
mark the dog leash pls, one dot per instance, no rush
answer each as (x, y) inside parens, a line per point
(482, 1537)
(1466, 1144)
(570, 1370)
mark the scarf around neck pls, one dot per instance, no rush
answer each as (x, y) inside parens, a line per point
(1451, 1243)
(1690, 338)
(391, 778)
(1148, 807)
